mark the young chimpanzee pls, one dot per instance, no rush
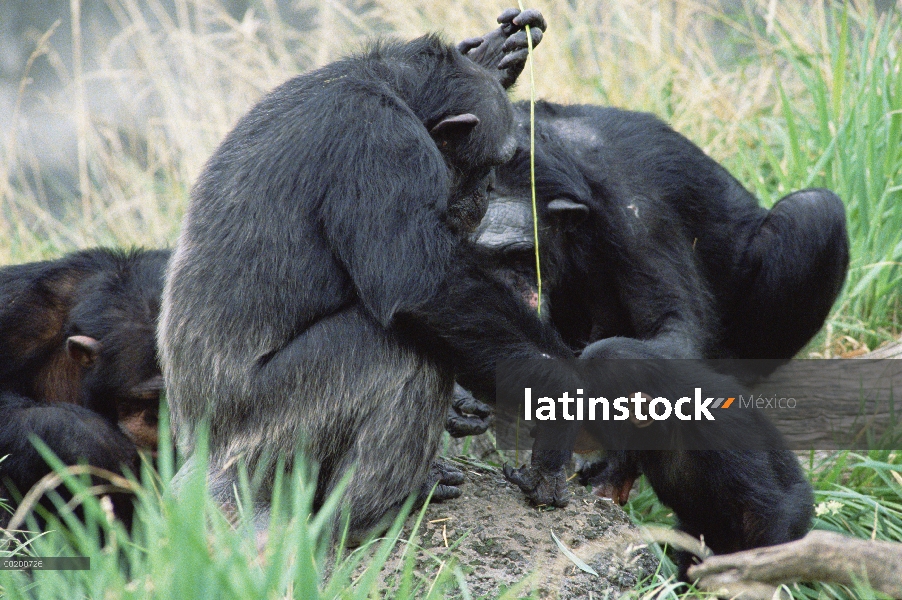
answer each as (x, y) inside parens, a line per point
(78, 364)
(74, 434)
(652, 250)
(322, 296)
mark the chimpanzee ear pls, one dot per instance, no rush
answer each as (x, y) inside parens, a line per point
(567, 212)
(453, 127)
(83, 349)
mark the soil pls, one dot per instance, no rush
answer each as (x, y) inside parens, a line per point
(498, 540)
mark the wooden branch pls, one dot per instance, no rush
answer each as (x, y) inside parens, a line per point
(819, 556)
(893, 350)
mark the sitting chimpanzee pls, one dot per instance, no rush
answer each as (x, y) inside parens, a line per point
(322, 293)
(78, 366)
(652, 250)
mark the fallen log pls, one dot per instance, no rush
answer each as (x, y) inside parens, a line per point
(819, 556)
(893, 350)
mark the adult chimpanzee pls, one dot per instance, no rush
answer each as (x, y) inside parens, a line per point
(644, 236)
(79, 331)
(731, 482)
(322, 295)
(650, 249)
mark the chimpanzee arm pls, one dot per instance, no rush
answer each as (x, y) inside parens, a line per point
(386, 222)
(506, 48)
(477, 321)
(384, 219)
(659, 280)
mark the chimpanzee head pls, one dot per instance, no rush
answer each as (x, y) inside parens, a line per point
(470, 119)
(110, 335)
(506, 234)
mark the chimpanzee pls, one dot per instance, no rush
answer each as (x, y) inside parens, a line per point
(78, 364)
(74, 433)
(650, 249)
(731, 481)
(322, 296)
(644, 236)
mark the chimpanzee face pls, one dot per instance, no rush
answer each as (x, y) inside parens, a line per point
(121, 380)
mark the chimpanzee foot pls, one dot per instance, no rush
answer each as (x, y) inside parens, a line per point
(445, 478)
(467, 415)
(541, 487)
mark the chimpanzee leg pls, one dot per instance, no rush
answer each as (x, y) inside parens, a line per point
(792, 271)
(361, 401)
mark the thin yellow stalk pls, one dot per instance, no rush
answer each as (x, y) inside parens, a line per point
(532, 162)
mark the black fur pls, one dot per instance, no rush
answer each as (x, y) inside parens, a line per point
(745, 489)
(78, 364)
(650, 249)
(75, 434)
(669, 247)
(321, 292)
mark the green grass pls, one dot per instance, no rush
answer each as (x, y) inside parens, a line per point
(847, 138)
(184, 547)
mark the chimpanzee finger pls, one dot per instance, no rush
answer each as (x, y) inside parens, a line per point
(473, 407)
(541, 488)
(509, 15)
(521, 477)
(459, 426)
(446, 473)
(518, 41)
(445, 492)
(531, 17)
(515, 59)
(469, 43)
(444, 478)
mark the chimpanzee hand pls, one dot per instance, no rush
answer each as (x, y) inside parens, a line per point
(445, 478)
(543, 488)
(467, 415)
(506, 48)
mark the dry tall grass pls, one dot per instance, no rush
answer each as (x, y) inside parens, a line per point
(188, 76)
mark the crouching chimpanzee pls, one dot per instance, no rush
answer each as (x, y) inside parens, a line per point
(644, 236)
(731, 481)
(650, 249)
(322, 294)
(78, 366)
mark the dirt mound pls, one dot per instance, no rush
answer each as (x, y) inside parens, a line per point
(498, 540)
